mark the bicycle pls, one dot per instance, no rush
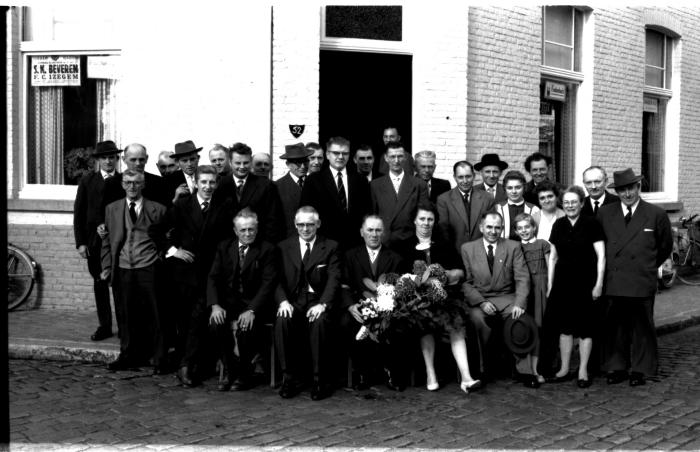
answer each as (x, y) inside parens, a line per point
(686, 252)
(21, 272)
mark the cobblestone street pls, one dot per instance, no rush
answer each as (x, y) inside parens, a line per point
(85, 407)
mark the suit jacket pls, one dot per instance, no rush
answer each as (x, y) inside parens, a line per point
(257, 275)
(290, 196)
(510, 282)
(634, 252)
(199, 234)
(357, 266)
(500, 192)
(398, 211)
(438, 187)
(174, 180)
(503, 209)
(153, 215)
(453, 216)
(321, 192)
(88, 209)
(260, 195)
(587, 209)
(322, 271)
(155, 190)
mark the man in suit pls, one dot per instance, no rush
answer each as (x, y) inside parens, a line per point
(638, 241)
(391, 135)
(198, 224)
(155, 189)
(497, 286)
(539, 166)
(396, 197)
(425, 168)
(183, 182)
(258, 193)
(131, 255)
(369, 260)
(491, 167)
(340, 197)
(290, 185)
(166, 164)
(595, 179)
(87, 215)
(219, 159)
(262, 164)
(240, 288)
(460, 209)
(316, 159)
(308, 287)
(364, 162)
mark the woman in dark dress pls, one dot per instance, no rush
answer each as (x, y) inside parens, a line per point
(576, 269)
(449, 316)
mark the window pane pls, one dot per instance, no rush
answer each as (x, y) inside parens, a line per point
(653, 156)
(364, 22)
(558, 24)
(655, 48)
(558, 56)
(654, 77)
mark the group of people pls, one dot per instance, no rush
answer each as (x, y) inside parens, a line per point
(201, 259)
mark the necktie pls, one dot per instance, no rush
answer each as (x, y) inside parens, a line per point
(205, 206)
(467, 208)
(304, 260)
(239, 189)
(492, 191)
(341, 192)
(107, 176)
(373, 262)
(628, 217)
(429, 187)
(301, 182)
(489, 258)
(241, 258)
(595, 209)
(132, 211)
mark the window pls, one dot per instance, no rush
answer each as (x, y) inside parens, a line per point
(70, 106)
(657, 95)
(364, 22)
(561, 32)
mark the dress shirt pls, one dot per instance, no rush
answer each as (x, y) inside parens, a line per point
(486, 246)
(302, 248)
(517, 204)
(490, 190)
(201, 200)
(600, 201)
(624, 208)
(106, 175)
(396, 180)
(237, 179)
(245, 251)
(467, 194)
(294, 178)
(191, 183)
(373, 253)
(137, 207)
(344, 172)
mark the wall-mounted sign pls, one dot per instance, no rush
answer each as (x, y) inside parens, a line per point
(651, 105)
(297, 130)
(555, 91)
(55, 71)
(103, 66)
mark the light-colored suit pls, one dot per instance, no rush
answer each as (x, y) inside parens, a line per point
(453, 216)
(398, 211)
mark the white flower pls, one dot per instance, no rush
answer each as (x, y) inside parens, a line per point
(385, 290)
(363, 333)
(385, 303)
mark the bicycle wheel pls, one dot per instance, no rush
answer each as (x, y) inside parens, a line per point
(20, 276)
(690, 278)
(667, 274)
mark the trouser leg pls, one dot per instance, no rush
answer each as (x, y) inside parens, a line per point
(617, 336)
(318, 341)
(101, 290)
(643, 350)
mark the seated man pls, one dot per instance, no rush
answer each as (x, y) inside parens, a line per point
(369, 260)
(497, 285)
(308, 285)
(240, 287)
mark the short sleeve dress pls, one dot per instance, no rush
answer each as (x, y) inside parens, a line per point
(574, 276)
(535, 255)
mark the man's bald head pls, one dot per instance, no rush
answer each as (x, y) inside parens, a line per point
(135, 157)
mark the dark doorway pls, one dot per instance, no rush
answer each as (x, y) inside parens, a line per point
(361, 93)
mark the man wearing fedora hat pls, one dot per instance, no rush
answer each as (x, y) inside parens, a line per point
(491, 167)
(182, 183)
(289, 186)
(638, 241)
(87, 215)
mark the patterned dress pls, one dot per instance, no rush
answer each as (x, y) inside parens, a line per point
(535, 254)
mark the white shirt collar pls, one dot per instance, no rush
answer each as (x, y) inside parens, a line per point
(138, 203)
(600, 200)
(201, 200)
(634, 207)
(236, 179)
(302, 244)
(510, 203)
(335, 172)
(370, 251)
(294, 178)
(532, 240)
(486, 245)
(105, 173)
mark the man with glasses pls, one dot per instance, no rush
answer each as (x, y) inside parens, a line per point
(309, 282)
(289, 186)
(340, 197)
(132, 250)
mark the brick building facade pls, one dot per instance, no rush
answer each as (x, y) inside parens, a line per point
(478, 83)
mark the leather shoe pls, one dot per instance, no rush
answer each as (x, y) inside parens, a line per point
(241, 384)
(101, 334)
(637, 379)
(616, 377)
(289, 389)
(318, 391)
(361, 383)
(472, 386)
(583, 384)
(531, 382)
(183, 374)
(120, 364)
(224, 384)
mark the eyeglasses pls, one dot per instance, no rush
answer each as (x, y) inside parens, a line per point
(132, 183)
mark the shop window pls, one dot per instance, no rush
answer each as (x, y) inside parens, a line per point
(71, 105)
(557, 121)
(561, 32)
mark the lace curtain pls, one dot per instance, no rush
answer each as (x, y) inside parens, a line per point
(45, 140)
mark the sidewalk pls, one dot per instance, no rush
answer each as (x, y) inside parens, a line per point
(65, 335)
